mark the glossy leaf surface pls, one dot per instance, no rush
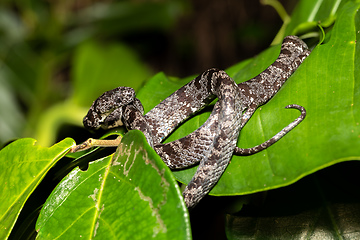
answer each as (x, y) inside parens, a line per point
(129, 195)
(23, 165)
(326, 84)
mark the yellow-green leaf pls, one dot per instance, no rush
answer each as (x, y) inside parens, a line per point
(23, 165)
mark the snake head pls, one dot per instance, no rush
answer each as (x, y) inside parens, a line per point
(107, 110)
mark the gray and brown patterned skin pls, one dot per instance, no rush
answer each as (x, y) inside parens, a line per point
(215, 141)
(255, 92)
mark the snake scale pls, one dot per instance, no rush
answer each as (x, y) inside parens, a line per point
(214, 142)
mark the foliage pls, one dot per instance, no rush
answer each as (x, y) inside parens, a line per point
(37, 44)
(132, 194)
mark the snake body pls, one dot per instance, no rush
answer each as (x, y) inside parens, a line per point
(214, 142)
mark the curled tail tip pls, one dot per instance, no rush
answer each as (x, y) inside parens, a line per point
(298, 107)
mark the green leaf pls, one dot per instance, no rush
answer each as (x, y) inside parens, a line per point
(309, 13)
(164, 87)
(129, 195)
(326, 84)
(23, 165)
(113, 65)
(50, 121)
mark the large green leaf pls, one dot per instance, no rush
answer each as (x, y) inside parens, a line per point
(325, 84)
(112, 65)
(23, 165)
(129, 195)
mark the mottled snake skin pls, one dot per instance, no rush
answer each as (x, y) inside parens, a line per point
(214, 142)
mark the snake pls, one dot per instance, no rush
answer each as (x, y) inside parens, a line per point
(212, 144)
